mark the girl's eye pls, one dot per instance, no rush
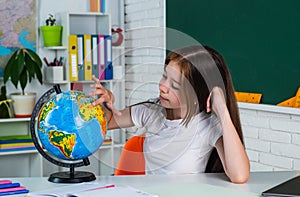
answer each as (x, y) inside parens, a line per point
(175, 86)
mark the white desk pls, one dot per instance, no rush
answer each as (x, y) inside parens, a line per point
(180, 185)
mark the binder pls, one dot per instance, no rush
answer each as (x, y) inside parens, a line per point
(101, 57)
(73, 73)
(80, 55)
(95, 5)
(102, 6)
(108, 58)
(87, 56)
(95, 70)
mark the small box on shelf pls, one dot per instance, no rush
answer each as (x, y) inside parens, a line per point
(54, 73)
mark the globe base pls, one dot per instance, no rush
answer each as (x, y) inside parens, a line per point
(67, 177)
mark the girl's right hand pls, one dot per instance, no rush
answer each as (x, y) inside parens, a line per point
(105, 97)
(216, 101)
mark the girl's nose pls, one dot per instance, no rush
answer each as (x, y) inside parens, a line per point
(163, 88)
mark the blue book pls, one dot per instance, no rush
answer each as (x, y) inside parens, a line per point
(15, 139)
(103, 6)
(2, 186)
(14, 192)
(17, 149)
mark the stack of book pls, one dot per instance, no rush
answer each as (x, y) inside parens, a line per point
(7, 187)
(107, 142)
(15, 143)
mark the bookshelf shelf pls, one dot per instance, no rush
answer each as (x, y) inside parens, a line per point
(56, 48)
(5, 120)
(56, 82)
(18, 152)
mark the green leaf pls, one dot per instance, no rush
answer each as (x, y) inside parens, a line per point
(15, 76)
(20, 64)
(23, 66)
(23, 79)
(9, 66)
(29, 64)
(38, 73)
(35, 57)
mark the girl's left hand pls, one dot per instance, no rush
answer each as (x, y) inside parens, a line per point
(216, 101)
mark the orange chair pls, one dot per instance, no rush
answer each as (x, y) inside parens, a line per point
(132, 161)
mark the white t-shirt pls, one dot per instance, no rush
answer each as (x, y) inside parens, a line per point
(172, 148)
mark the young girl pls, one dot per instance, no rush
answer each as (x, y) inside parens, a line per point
(194, 126)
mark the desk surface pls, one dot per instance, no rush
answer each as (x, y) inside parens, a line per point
(179, 185)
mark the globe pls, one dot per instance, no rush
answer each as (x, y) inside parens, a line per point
(66, 129)
(70, 127)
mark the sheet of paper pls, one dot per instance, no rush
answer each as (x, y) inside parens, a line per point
(91, 189)
(113, 192)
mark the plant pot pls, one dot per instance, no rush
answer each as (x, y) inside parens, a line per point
(23, 104)
(51, 35)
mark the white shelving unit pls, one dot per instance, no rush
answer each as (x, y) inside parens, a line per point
(103, 161)
(31, 163)
(30, 160)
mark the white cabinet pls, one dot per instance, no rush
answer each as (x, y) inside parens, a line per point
(103, 162)
(18, 163)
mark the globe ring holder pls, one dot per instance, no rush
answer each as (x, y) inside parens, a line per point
(71, 176)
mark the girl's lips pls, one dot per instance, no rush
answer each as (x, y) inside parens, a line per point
(162, 98)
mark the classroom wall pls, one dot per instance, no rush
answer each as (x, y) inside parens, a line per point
(272, 136)
(144, 22)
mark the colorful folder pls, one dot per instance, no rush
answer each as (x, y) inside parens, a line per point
(80, 53)
(87, 57)
(73, 72)
(95, 70)
(101, 57)
(108, 58)
(95, 5)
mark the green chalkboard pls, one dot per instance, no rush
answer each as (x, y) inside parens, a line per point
(260, 40)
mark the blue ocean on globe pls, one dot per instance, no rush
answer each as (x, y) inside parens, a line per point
(70, 127)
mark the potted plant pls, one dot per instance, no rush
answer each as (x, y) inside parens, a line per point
(51, 32)
(23, 66)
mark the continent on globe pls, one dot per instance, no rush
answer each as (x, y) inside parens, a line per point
(65, 142)
(70, 127)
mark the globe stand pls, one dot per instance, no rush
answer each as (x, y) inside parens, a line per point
(71, 176)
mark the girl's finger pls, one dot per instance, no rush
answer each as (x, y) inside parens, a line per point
(208, 104)
(97, 83)
(95, 79)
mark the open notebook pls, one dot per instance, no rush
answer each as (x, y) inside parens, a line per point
(289, 188)
(90, 190)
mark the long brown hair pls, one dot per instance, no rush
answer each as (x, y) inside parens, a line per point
(205, 68)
